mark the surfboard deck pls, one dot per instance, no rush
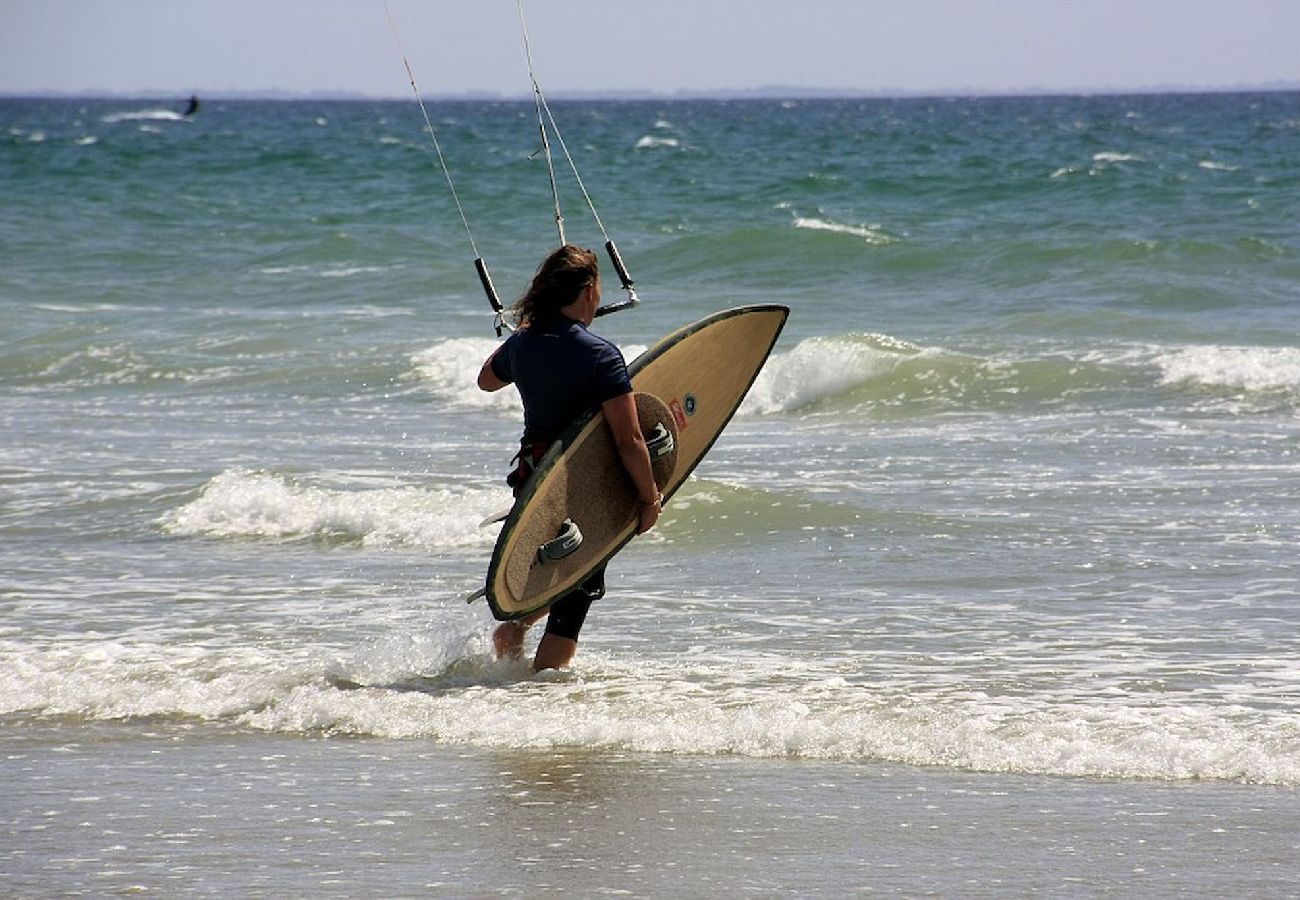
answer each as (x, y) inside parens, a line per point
(692, 381)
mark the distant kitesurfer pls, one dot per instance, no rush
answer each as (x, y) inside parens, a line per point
(561, 370)
(193, 107)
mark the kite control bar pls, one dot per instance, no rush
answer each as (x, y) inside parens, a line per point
(619, 267)
(485, 278)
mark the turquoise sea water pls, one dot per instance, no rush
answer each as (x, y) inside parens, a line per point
(991, 586)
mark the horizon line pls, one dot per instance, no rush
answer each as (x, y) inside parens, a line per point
(769, 92)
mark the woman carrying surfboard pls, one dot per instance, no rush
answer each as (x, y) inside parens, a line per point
(562, 370)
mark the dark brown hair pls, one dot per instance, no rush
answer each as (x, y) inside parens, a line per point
(559, 280)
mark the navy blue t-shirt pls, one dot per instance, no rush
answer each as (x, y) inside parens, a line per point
(562, 370)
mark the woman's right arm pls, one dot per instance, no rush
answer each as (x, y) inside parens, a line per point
(487, 379)
(620, 413)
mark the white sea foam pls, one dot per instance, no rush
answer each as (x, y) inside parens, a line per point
(820, 367)
(872, 234)
(1110, 156)
(651, 141)
(109, 365)
(1217, 166)
(240, 503)
(450, 370)
(442, 685)
(332, 271)
(1254, 369)
(144, 115)
(349, 271)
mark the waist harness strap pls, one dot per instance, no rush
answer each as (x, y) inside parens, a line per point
(529, 455)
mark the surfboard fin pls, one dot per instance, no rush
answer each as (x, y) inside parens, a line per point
(480, 593)
(564, 543)
(496, 517)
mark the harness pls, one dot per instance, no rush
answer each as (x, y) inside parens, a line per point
(569, 537)
(529, 455)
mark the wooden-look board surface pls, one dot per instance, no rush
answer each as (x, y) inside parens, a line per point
(699, 375)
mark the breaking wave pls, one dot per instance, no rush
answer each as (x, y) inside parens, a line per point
(245, 504)
(441, 684)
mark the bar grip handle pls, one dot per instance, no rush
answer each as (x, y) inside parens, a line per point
(619, 266)
(485, 278)
(618, 307)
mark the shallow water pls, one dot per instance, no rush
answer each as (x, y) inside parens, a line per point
(995, 565)
(158, 806)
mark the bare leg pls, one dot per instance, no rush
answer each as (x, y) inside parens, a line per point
(554, 652)
(508, 639)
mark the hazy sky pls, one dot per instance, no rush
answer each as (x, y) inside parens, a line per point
(456, 46)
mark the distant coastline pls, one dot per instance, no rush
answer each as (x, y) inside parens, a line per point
(772, 92)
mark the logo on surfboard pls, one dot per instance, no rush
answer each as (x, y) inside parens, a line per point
(682, 408)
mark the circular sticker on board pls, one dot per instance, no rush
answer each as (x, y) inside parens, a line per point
(688, 403)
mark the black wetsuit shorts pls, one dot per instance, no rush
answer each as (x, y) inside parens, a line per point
(570, 611)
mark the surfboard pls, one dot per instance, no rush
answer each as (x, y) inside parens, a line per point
(691, 383)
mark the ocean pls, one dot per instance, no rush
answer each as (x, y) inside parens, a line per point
(990, 588)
